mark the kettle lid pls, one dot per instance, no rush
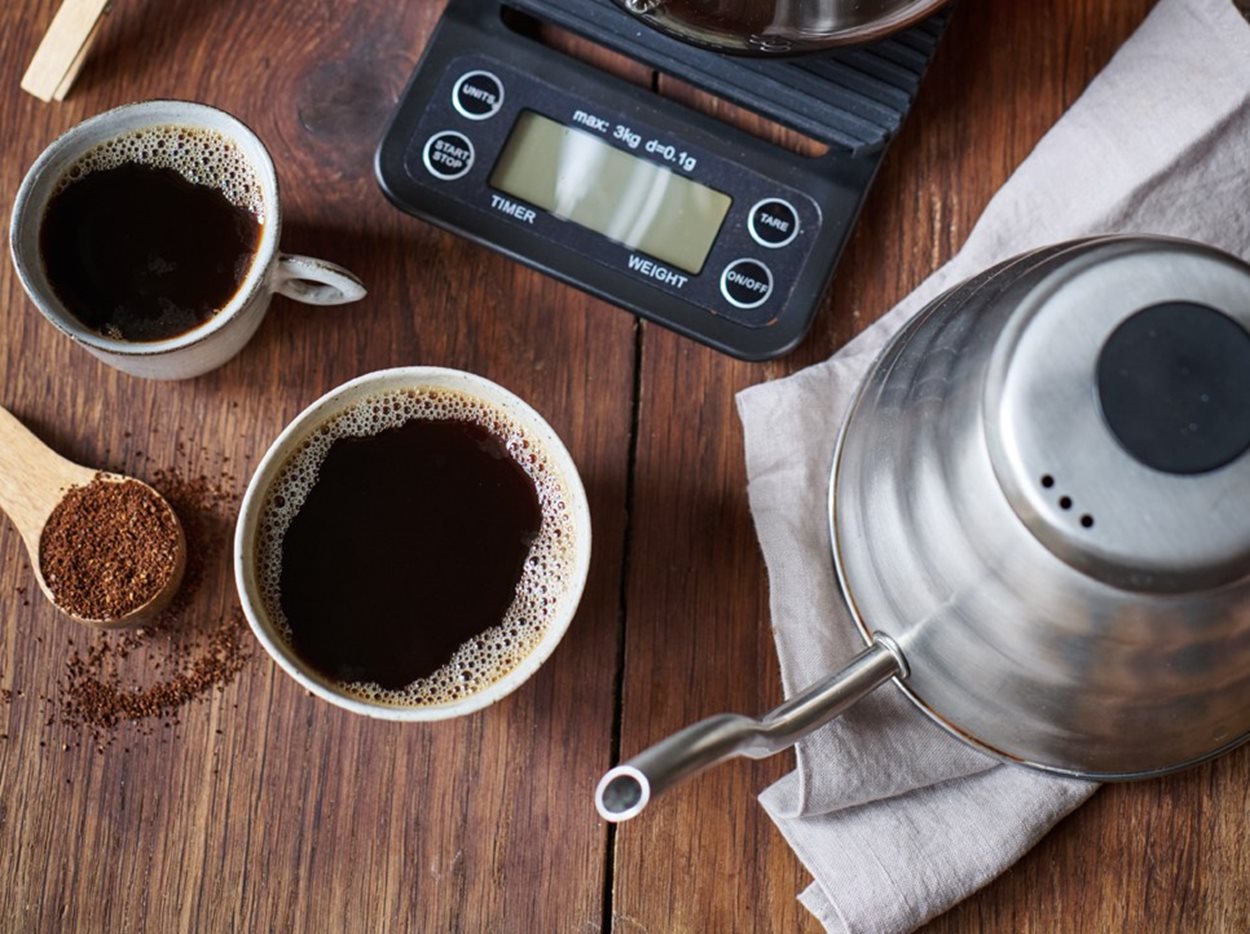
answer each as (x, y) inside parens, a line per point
(1117, 410)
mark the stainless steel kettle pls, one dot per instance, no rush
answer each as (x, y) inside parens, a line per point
(1040, 517)
(779, 27)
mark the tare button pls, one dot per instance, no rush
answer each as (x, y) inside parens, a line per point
(478, 95)
(448, 155)
(773, 223)
(746, 283)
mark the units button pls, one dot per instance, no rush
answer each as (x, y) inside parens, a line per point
(773, 223)
(478, 95)
(448, 155)
(746, 283)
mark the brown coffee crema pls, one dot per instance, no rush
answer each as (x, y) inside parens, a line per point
(148, 235)
(420, 595)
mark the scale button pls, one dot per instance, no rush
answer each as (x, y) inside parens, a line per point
(448, 155)
(477, 95)
(746, 283)
(773, 223)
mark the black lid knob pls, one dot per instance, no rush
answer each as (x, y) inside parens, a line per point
(1174, 384)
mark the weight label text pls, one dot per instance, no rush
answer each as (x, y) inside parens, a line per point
(656, 271)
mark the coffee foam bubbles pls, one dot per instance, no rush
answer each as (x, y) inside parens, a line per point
(545, 579)
(201, 156)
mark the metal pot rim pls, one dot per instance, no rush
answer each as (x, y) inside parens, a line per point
(811, 43)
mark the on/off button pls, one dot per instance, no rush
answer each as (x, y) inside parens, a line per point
(746, 283)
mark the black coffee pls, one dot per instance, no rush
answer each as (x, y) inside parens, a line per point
(137, 250)
(410, 544)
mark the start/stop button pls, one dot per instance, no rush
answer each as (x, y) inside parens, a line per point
(448, 155)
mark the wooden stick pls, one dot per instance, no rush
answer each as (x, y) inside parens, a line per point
(64, 48)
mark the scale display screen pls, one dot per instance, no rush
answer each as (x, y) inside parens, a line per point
(676, 215)
(578, 177)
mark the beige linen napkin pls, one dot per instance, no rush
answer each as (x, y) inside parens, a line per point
(896, 820)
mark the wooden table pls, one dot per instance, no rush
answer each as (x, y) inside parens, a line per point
(267, 809)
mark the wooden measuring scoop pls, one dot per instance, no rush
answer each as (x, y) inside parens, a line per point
(33, 481)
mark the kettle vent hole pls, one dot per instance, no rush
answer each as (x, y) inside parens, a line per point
(1065, 502)
(1087, 521)
(1048, 481)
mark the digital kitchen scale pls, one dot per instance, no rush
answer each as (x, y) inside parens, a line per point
(672, 214)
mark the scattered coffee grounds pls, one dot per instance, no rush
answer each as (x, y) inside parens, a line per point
(108, 548)
(207, 508)
(129, 684)
(146, 675)
(144, 679)
(98, 694)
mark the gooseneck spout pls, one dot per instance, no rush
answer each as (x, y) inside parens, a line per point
(625, 790)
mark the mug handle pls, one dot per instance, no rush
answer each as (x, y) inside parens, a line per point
(315, 282)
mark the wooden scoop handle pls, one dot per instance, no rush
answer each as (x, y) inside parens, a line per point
(33, 478)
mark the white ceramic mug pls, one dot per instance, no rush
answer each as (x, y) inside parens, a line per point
(212, 343)
(247, 548)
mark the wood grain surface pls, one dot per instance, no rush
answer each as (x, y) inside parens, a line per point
(266, 809)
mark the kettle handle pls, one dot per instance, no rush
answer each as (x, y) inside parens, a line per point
(625, 790)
